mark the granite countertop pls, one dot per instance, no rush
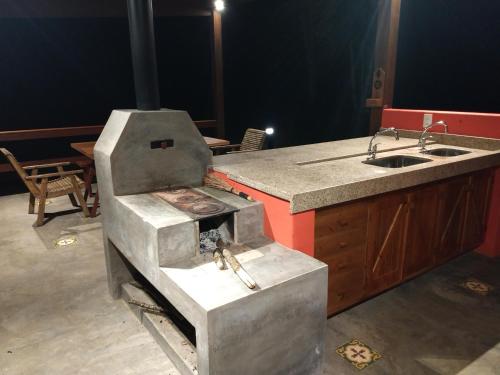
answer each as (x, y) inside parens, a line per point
(324, 174)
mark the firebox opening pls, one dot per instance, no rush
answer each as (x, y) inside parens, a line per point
(213, 229)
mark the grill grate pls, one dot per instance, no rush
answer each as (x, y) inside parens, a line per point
(194, 203)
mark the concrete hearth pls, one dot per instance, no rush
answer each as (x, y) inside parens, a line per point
(279, 328)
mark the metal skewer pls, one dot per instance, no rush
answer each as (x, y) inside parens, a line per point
(227, 257)
(147, 307)
(219, 259)
(238, 269)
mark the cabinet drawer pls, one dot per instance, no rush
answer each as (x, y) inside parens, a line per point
(348, 241)
(341, 219)
(346, 261)
(345, 290)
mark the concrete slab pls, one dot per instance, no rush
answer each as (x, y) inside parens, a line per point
(56, 316)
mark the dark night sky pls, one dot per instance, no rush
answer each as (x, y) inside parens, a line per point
(304, 69)
(57, 72)
(449, 55)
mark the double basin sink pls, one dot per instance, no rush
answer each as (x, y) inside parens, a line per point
(401, 161)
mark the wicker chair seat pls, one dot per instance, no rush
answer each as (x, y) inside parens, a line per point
(253, 140)
(62, 186)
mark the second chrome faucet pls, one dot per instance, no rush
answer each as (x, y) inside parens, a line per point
(423, 137)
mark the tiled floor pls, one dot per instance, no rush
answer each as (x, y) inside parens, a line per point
(430, 325)
(56, 316)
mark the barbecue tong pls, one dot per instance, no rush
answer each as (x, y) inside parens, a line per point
(225, 256)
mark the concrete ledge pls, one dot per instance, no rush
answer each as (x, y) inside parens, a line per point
(171, 340)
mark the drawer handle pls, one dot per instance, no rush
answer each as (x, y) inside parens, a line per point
(343, 223)
(343, 245)
(340, 296)
(341, 267)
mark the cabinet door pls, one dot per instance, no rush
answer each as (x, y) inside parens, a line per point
(422, 208)
(478, 194)
(385, 242)
(452, 200)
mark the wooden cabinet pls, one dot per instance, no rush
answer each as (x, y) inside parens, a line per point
(385, 238)
(375, 243)
(452, 201)
(422, 208)
(478, 196)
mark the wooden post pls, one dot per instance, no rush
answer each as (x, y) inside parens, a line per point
(386, 45)
(217, 72)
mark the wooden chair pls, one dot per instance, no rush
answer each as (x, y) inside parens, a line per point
(253, 140)
(62, 183)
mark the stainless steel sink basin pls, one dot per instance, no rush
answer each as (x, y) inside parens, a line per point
(447, 152)
(396, 161)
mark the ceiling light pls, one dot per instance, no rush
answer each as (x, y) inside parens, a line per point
(219, 5)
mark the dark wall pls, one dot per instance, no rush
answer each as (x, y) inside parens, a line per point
(449, 55)
(301, 66)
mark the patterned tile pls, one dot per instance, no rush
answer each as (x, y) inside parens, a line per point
(65, 241)
(47, 202)
(358, 354)
(477, 286)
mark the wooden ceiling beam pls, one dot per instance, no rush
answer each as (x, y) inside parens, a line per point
(218, 72)
(386, 47)
(97, 8)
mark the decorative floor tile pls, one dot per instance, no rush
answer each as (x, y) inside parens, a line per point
(477, 286)
(358, 354)
(47, 202)
(65, 241)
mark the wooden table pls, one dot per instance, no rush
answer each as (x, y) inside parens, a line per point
(87, 149)
(215, 142)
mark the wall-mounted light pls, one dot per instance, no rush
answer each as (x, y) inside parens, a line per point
(219, 5)
(269, 131)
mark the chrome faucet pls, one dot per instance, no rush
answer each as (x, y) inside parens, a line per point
(372, 148)
(423, 137)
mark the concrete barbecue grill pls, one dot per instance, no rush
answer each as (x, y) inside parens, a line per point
(150, 166)
(277, 329)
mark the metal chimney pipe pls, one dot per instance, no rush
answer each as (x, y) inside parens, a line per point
(142, 43)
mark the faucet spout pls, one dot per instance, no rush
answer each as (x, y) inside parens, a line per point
(423, 137)
(372, 150)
